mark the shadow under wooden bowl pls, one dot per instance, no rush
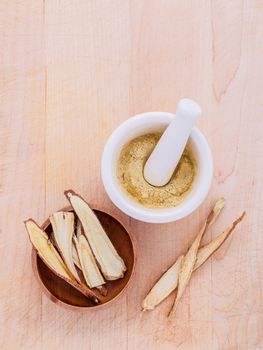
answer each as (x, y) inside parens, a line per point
(60, 292)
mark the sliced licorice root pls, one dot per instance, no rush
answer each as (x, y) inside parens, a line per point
(206, 251)
(49, 255)
(169, 280)
(110, 263)
(89, 267)
(63, 230)
(164, 286)
(188, 263)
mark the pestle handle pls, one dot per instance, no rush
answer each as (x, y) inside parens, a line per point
(163, 160)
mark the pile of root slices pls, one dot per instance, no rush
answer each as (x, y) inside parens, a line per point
(179, 274)
(78, 249)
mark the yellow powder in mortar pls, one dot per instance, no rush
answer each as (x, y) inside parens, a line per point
(130, 174)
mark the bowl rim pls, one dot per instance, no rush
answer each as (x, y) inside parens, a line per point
(122, 201)
(63, 304)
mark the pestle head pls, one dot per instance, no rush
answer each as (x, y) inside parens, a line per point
(163, 160)
(189, 109)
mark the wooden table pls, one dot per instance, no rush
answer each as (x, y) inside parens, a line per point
(71, 72)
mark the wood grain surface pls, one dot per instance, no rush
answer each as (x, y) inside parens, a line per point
(71, 72)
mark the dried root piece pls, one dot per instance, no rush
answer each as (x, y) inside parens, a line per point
(219, 206)
(75, 256)
(205, 252)
(52, 240)
(45, 249)
(165, 285)
(170, 278)
(63, 229)
(186, 270)
(78, 228)
(78, 232)
(52, 259)
(189, 260)
(74, 251)
(181, 271)
(111, 264)
(88, 263)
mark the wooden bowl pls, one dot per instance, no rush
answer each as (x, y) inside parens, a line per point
(65, 295)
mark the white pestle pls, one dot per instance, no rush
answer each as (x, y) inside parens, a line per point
(163, 160)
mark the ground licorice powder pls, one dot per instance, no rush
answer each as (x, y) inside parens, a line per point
(130, 174)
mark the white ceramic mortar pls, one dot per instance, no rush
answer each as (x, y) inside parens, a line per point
(147, 123)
